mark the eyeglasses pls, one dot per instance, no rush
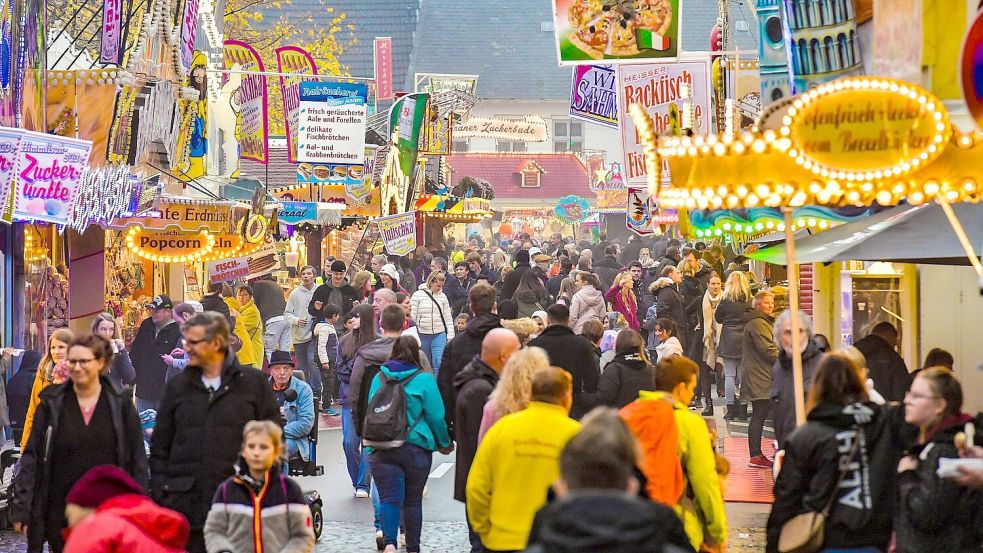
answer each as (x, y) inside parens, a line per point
(83, 362)
(189, 342)
(911, 395)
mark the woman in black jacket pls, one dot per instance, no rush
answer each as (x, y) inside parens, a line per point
(669, 301)
(627, 374)
(79, 424)
(934, 513)
(733, 314)
(842, 423)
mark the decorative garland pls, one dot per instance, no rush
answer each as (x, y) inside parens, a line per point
(104, 194)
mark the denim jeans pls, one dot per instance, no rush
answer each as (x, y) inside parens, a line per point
(401, 475)
(358, 460)
(307, 361)
(433, 345)
(276, 337)
(732, 379)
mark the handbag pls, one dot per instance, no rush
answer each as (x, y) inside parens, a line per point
(439, 310)
(805, 532)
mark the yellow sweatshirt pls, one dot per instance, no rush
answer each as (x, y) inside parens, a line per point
(245, 355)
(516, 462)
(704, 507)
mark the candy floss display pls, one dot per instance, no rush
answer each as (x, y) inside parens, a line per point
(49, 169)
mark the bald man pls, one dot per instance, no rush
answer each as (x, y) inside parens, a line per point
(473, 386)
(380, 299)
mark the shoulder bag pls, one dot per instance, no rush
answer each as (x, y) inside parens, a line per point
(805, 532)
(439, 310)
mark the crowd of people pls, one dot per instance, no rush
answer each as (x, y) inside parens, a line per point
(570, 380)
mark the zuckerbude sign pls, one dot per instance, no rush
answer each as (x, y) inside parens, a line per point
(532, 128)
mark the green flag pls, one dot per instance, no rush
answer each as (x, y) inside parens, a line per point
(406, 118)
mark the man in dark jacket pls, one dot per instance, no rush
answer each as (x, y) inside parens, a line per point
(336, 291)
(597, 250)
(512, 280)
(610, 259)
(473, 386)
(571, 353)
(669, 301)
(158, 335)
(885, 367)
(672, 258)
(632, 251)
(198, 436)
(213, 301)
(478, 269)
(465, 345)
(457, 286)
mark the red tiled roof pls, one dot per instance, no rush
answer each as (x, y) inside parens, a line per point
(563, 174)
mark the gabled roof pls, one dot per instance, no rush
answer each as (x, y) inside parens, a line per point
(562, 174)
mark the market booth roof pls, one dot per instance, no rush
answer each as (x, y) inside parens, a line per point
(523, 177)
(904, 234)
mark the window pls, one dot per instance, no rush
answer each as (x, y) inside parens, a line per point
(568, 136)
(530, 175)
(509, 146)
(460, 146)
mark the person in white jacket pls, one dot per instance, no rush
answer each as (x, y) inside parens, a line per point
(431, 312)
(588, 303)
(665, 329)
(298, 316)
(327, 351)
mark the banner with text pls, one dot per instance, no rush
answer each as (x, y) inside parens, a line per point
(48, 174)
(531, 128)
(331, 127)
(658, 88)
(398, 233)
(110, 50)
(252, 127)
(9, 147)
(595, 94)
(294, 60)
(383, 58)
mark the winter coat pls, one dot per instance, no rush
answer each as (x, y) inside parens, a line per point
(692, 291)
(609, 262)
(622, 379)
(216, 303)
(31, 486)
(146, 352)
(934, 513)
(269, 299)
(512, 280)
(733, 317)
(669, 305)
(458, 353)
(553, 285)
(283, 517)
(490, 275)
(651, 420)
(758, 357)
(589, 521)
(368, 361)
(885, 367)
(782, 390)
(132, 523)
(669, 348)
(298, 307)
(431, 312)
(248, 329)
(422, 404)
(576, 356)
(711, 329)
(457, 293)
(473, 386)
(327, 344)
(343, 296)
(626, 306)
(588, 303)
(298, 416)
(198, 435)
(861, 516)
(531, 301)
(121, 372)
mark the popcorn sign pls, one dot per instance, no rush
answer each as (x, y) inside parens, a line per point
(48, 174)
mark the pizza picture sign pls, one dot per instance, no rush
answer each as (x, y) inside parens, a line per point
(588, 31)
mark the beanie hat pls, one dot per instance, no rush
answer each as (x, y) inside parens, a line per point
(338, 266)
(522, 256)
(100, 484)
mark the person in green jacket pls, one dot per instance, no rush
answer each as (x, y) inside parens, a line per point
(401, 473)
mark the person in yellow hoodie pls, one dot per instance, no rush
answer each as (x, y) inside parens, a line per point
(701, 506)
(252, 322)
(241, 329)
(517, 462)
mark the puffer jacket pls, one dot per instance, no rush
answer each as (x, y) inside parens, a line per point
(431, 312)
(861, 515)
(622, 379)
(131, 523)
(587, 303)
(733, 317)
(758, 357)
(457, 354)
(937, 514)
(782, 390)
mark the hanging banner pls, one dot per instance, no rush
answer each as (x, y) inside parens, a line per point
(252, 127)
(435, 134)
(383, 62)
(571, 209)
(595, 94)
(531, 128)
(398, 232)
(331, 125)
(658, 88)
(297, 213)
(357, 193)
(294, 60)
(615, 30)
(110, 49)
(193, 138)
(263, 261)
(189, 32)
(9, 148)
(406, 116)
(643, 217)
(49, 170)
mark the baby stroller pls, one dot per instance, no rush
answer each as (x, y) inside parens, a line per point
(9, 455)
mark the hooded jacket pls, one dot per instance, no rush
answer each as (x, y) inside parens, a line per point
(589, 521)
(669, 305)
(861, 515)
(131, 523)
(473, 385)
(458, 353)
(422, 404)
(885, 367)
(782, 390)
(733, 317)
(626, 304)
(622, 379)
(588, 303)
(368, 361)
(758, 356)
(575, 355)
(934, 513)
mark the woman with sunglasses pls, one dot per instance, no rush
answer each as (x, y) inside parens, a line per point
(84, 422)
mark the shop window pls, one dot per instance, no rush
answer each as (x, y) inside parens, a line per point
(530, 176)
(505, 146)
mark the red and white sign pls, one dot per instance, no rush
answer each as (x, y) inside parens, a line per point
(49, 170)
(383, 68)
(227, 270)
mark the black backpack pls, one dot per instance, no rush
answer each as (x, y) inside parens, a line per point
(386, 424)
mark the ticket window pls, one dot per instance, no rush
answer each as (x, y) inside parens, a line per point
(872, 293)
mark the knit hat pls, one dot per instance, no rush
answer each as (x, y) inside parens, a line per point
(338, 266)
(101, 483)
(389, 269)
(522, 256)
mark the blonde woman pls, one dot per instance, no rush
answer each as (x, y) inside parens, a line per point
(431, 312)
(568, 287)
(711, 334)
(733, 314)
(362, 283)
(514, 388)
(53, 369)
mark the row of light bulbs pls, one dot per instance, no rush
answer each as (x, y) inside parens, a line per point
(759, 226)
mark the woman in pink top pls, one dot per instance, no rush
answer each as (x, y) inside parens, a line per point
(622, 298)
(512, 392)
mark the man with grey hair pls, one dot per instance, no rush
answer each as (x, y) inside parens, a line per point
(782, 388)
